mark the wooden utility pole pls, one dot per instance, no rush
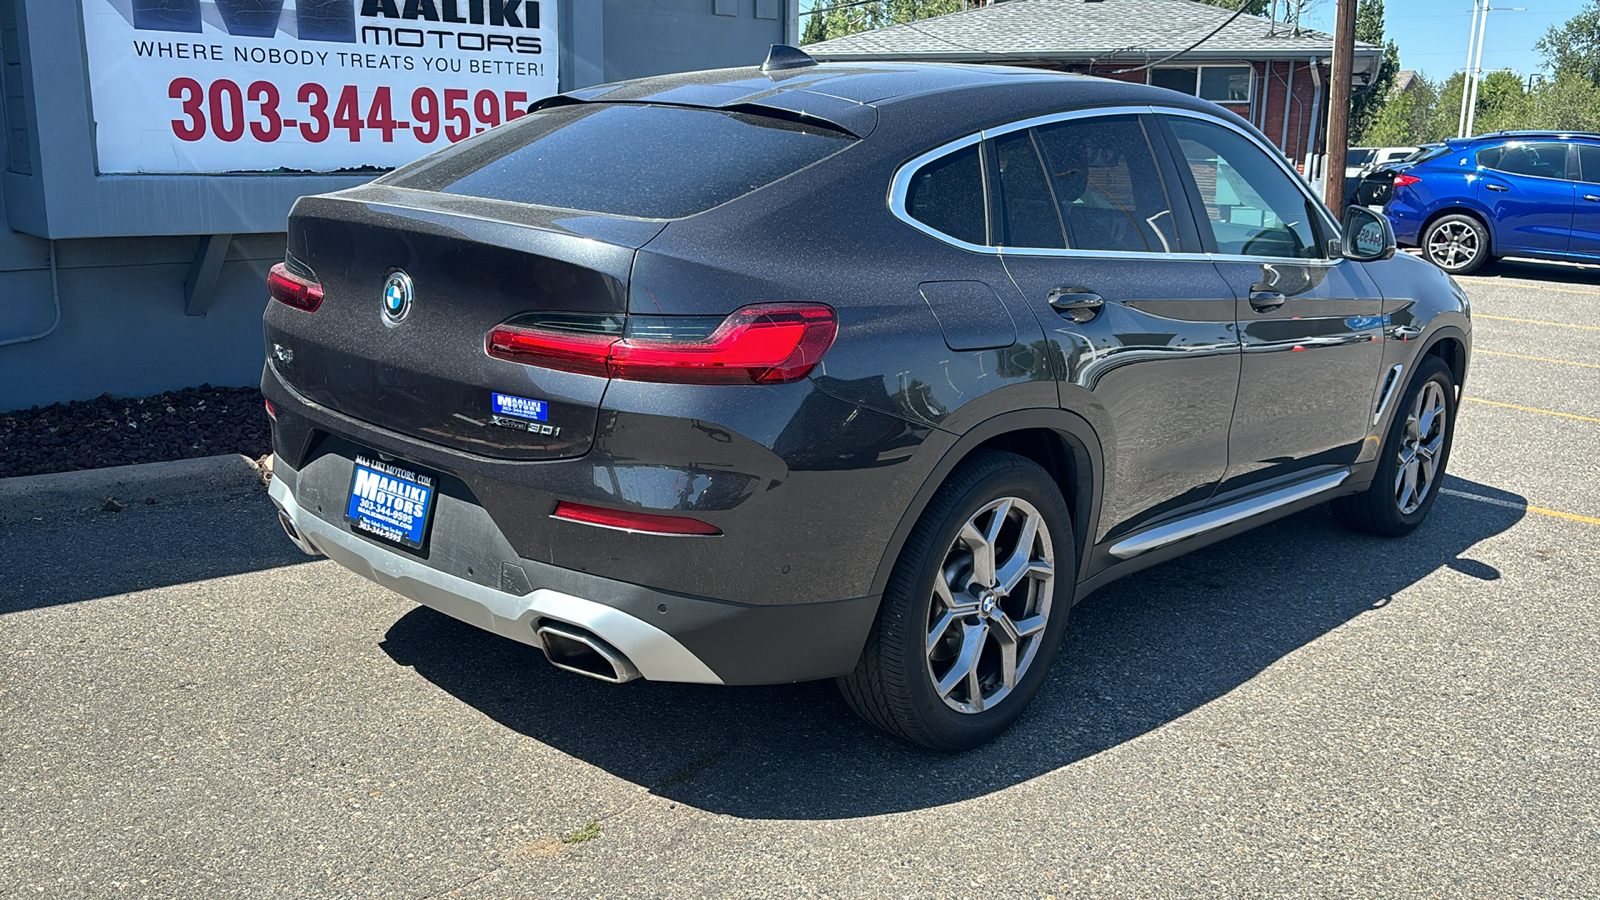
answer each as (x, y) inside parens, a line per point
(1344, 52)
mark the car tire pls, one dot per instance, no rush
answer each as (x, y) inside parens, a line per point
(1412, 460)
(935, 670)
(1458, 244)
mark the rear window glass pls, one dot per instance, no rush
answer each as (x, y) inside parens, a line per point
(652, 162)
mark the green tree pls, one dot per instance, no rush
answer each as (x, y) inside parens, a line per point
(1367, 102)
(1501, 105)
(826, 22)
(1407, 119)
(1572, 50)
(1566, 103)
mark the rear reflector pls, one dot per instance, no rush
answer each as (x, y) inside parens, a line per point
(770, 343)
(632, 521)
(292, 289)
(1403, 180)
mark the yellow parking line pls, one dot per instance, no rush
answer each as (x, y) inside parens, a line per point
(1548, 412)
(1565, 362)
(1537, 322)
(1574, 517)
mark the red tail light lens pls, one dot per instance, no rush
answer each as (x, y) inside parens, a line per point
(771, 343)
(632, 521)
(293, 289)
(272, 413)
(1403, 180)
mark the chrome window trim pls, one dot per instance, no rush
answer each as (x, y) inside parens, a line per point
(901, 183)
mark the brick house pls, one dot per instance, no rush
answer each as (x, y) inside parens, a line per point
(1271, 73)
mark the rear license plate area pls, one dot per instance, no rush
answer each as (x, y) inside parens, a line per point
(390, 502)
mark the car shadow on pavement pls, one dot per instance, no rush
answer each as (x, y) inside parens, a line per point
(91, 553)
(1557, 274)
(1140, 653)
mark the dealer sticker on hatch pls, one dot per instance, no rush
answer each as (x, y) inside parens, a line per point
(390, 502)
(521, 413)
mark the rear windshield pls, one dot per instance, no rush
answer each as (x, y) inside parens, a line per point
(651, 162)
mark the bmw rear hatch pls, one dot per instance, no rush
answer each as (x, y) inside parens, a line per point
(536, 222)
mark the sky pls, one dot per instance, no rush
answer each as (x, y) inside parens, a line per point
(1432, 34)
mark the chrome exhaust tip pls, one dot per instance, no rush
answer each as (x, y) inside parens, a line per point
(576, 650)
(295, 535)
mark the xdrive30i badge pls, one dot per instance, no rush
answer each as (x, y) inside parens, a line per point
(397, 293)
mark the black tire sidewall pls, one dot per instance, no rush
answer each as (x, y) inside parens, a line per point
(1477, 227)
(910, 589)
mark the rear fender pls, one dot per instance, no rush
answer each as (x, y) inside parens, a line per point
(1082, 488)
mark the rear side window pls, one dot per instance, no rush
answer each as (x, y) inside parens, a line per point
(1106, 186)
(947, 196)
(1544, 160)
(1589, 163)
(652, 162)
(1030, 214)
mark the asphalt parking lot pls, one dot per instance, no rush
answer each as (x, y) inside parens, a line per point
(190, 708)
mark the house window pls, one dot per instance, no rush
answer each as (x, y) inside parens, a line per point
(1219, 84)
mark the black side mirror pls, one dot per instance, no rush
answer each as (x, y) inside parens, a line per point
(1368, 236)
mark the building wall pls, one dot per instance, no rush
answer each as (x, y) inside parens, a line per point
(1283, 105)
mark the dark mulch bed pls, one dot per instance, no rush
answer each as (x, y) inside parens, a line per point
(113, 431)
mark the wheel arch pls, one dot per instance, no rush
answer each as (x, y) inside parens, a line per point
(1061, 442)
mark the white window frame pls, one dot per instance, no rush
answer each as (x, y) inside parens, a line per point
(1199, 78)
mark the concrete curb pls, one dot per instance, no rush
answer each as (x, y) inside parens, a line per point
(36, 496)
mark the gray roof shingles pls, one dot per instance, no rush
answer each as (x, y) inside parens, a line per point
(1080, 30)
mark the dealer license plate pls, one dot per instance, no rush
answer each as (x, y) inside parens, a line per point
(389, 502)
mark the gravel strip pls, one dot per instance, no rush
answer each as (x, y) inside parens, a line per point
(116, 431)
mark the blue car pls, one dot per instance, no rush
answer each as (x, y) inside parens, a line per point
(1534, 194)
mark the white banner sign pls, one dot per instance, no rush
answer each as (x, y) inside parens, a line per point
(209, 86)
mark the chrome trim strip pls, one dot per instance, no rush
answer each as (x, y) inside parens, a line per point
(1212, 519)
(1388, 394)
(901, 183)
(657, 655)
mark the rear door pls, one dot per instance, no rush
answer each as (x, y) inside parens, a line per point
(1525, 187)
(1140, 323)
(1586, 207)
(1309, 325)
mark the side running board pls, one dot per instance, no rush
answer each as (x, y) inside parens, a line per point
(1211, 519)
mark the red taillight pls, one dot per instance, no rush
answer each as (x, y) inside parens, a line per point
(770, 343)
(294, 290)
(632, 521)
(1403, 180)
(271, 412)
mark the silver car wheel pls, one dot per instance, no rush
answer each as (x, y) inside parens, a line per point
(1453, 245)
(991, 602)
(1420, 445)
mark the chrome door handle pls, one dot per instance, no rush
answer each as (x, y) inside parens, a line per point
(1592, 198)
(1496, 187)
(1078, 304)
(1266, 299)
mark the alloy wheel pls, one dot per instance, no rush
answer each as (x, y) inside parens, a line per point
(1453, 245)
(1420, 445)
(991, 603)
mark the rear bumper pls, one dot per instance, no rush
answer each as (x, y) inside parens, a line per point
(665, 636)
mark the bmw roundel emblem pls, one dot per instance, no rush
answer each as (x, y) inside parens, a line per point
(397, 293)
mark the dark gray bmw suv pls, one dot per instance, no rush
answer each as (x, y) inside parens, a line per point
(866, 372)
